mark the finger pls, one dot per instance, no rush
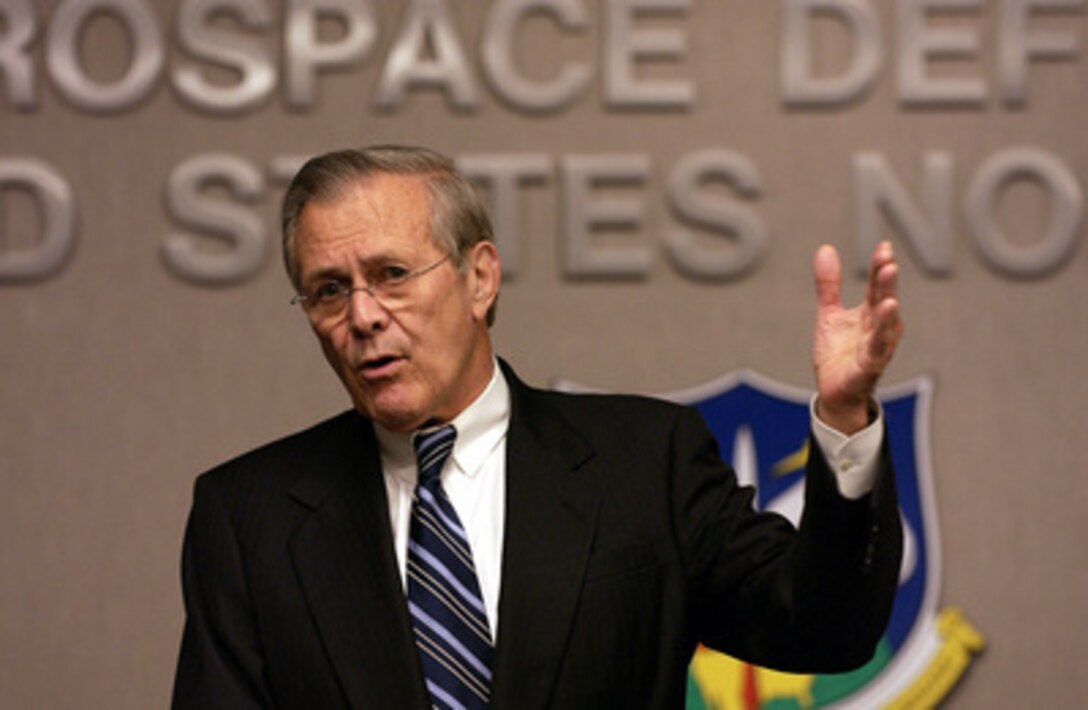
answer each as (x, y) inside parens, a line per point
(827, 273)
(887, 283)
(887, 331)
(883, 256)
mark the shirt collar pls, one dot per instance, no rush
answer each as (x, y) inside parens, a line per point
(480, 428)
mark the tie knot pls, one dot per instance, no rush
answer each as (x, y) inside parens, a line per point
(432, 449)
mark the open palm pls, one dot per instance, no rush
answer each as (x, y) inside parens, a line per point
(852, 346)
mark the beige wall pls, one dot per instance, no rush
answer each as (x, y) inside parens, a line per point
(121, 380)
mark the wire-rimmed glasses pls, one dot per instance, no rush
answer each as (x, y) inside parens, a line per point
(390, 285)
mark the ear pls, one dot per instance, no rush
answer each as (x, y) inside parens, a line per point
(485, 273)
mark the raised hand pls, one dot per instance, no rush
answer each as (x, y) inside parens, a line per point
(852, 346)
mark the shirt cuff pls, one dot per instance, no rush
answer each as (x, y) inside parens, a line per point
(853, 459)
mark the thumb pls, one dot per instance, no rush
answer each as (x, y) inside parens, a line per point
(827, 273)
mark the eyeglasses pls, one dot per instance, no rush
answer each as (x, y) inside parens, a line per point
(388, 284)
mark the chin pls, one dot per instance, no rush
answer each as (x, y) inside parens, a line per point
(392, 417)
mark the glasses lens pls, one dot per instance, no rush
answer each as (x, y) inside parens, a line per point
(390, 286)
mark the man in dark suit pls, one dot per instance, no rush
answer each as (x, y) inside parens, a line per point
(605, 536)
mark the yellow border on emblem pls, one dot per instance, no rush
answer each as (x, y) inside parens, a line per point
(960, 641)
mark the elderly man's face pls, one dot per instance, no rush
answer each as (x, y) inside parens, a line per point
(424, 356)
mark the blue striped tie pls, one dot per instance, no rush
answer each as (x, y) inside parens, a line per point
(444, 600)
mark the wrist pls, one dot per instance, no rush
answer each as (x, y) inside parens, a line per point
(847, 419)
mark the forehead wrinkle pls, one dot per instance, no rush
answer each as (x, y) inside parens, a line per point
(360, 214)
(388, 200)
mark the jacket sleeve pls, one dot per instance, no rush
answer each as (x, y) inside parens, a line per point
(220, 663)
(816, 599)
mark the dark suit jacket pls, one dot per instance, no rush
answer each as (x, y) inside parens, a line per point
(627, 543)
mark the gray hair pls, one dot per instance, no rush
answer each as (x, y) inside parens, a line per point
(458, 220)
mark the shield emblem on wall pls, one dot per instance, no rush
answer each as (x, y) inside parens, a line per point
(762, 426)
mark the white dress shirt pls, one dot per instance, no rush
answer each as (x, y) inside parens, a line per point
(475, 482)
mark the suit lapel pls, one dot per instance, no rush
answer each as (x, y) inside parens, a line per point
(343, 556)
(551, 517)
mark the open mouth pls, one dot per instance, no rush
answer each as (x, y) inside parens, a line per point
(378, 365)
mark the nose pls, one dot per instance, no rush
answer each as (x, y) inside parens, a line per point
(365, 313)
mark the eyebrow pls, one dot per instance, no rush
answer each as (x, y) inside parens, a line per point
(325, 273)
(338, 273)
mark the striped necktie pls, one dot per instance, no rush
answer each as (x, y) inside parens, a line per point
(444, 600)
